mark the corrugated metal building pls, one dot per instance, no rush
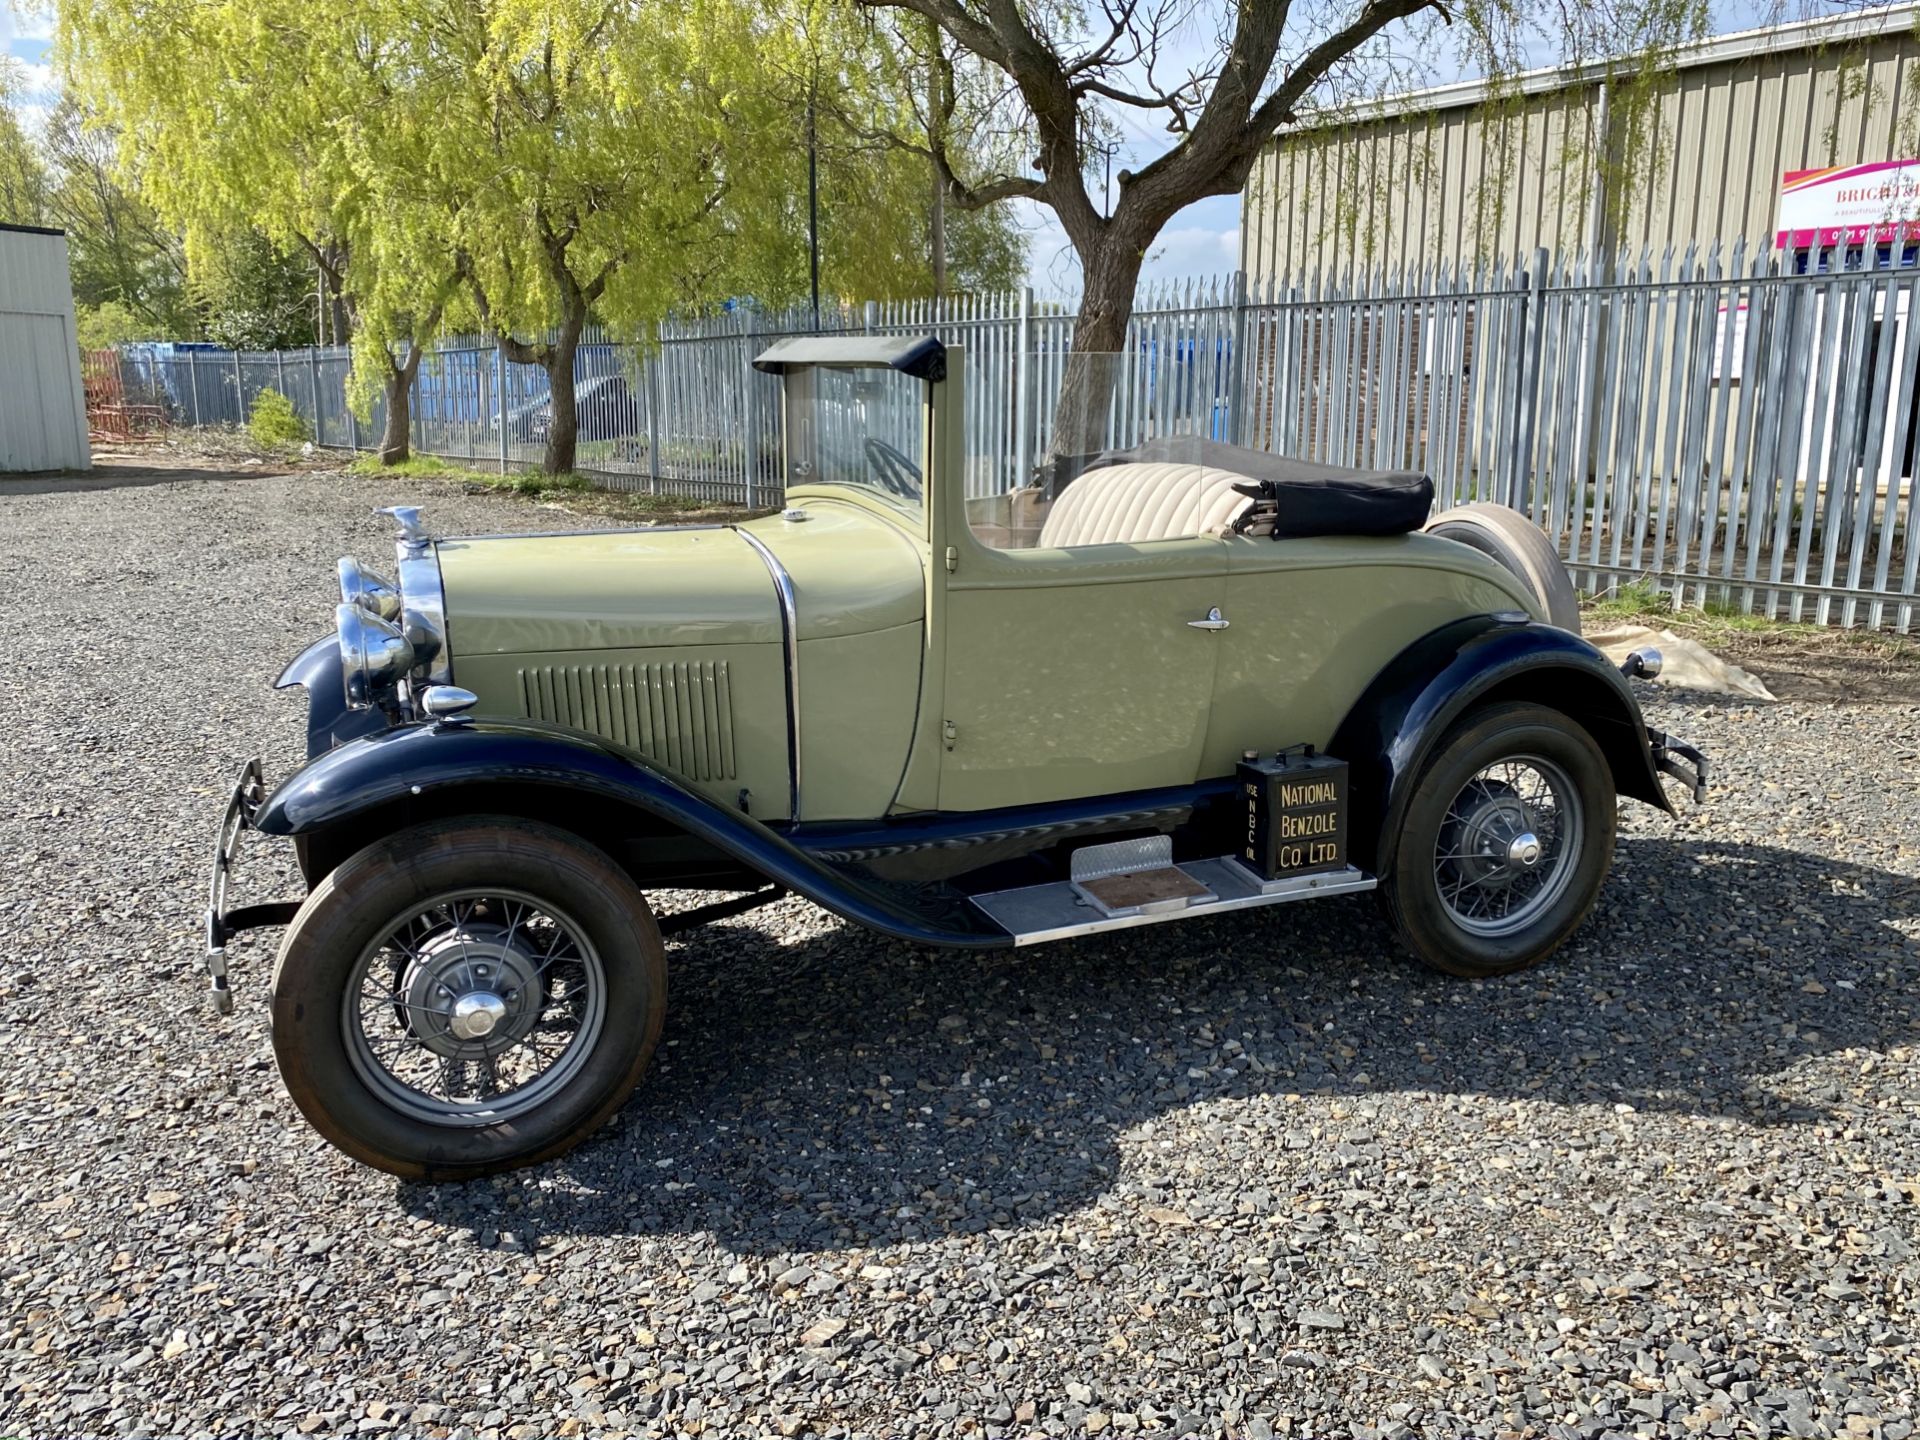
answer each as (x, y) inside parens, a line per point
(43, 416)
(1695, 152)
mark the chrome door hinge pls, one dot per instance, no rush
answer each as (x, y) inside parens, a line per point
(953, 559)
(950, 732)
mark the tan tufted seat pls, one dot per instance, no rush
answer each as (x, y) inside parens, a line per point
(1143, 500)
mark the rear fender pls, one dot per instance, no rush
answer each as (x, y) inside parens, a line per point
(381, 783)
(1396, 724)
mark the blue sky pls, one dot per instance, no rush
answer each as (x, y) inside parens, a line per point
(1202, 240)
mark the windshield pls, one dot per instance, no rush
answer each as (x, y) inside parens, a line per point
(859, 428)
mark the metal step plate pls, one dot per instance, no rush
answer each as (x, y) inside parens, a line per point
(1033, 914)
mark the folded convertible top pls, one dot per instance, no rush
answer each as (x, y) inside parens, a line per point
(1307, 498)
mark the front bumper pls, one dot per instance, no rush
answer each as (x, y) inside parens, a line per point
(223, 924)
(1674, 756)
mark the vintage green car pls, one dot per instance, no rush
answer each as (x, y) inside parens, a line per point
(1152, 684)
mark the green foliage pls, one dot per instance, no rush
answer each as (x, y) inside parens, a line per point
(23, 175)
(251, 294)
(419, 466)
(274, 423)
(107, 324)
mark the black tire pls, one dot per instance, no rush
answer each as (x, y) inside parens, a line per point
(1557, 751)
(1519, 547)
(354, 908)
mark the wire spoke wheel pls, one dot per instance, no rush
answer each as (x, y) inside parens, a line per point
(474, 1008)
(1509, 845)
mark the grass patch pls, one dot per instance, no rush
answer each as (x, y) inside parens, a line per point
(424, 466)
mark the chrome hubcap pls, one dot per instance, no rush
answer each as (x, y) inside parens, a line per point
(474, 1008)
(1524, 849)
(1509, 845)
(477, 1014)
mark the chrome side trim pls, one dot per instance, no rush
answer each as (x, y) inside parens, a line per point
(572, 534)
(790, 628)
(423, 612)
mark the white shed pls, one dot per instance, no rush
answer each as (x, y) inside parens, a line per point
(43, 409)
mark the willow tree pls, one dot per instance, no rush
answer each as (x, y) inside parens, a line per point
(581, 157)
(23, 173)
(277, 117)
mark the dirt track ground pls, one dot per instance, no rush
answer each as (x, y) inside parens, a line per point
(1250, 1176)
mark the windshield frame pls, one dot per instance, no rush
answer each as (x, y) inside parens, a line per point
(801, 397)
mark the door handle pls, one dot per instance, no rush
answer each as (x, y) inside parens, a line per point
(1212, 622)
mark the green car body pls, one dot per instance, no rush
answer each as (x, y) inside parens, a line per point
(1146, 689)
(936, 672)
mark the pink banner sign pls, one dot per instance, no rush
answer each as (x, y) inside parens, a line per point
(1850, 205)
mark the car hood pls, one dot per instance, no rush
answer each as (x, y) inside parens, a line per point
(678, 585)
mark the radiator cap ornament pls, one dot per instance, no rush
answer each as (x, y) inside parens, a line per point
(407, 517)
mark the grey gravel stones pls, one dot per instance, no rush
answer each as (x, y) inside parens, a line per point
(1252, 1177)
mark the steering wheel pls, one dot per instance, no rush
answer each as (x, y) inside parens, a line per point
(894, 472)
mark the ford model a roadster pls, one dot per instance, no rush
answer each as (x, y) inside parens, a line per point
(1162, 682)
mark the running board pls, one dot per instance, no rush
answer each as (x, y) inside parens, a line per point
(1034, 914)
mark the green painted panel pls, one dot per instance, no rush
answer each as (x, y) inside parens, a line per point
(608, 589)
(1313, 621)
(853, 571)
(1059, 689)
(716, 714)
(858, 698)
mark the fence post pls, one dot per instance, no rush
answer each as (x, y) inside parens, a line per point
(870, 316)
(313, 383)
(500, 399)
(753, 413)
(1526, 388)
(1236, 375)
(353, 421)
(1022, 385)
(280, 371)
(413, 404)
(653, 363)
(193, 384)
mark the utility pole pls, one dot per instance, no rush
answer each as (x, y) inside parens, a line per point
(813, 200)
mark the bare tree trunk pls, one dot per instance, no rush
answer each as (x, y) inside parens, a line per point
(1080, 415)
(563, 416)
(937, 226)
(396, 443)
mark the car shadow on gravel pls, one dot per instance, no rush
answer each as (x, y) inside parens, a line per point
(845, 1090)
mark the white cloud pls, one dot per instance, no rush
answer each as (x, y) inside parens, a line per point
(20, 21)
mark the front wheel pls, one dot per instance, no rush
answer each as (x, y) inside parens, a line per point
(1505, 842)
(468, 996)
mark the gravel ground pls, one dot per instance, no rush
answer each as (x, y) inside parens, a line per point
(1248, 1177)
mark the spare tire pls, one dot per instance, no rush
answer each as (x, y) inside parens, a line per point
(1521, 548)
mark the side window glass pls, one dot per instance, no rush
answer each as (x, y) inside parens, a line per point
(1119, 462)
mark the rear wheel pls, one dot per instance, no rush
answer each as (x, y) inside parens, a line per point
(1505, 842)
(468, 996)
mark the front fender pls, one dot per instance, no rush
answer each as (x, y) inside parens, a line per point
(379, 776)
(1394, 727)
(329, 721)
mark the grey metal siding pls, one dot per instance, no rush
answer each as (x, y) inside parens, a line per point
(43, 422)
(1463, 175)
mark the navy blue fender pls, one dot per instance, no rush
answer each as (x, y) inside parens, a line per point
(378, 783)
(1395, 725)
(329, 721)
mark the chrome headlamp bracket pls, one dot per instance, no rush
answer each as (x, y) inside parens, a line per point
(374, 657)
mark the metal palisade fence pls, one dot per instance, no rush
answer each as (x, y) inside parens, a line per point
(1734, 428)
